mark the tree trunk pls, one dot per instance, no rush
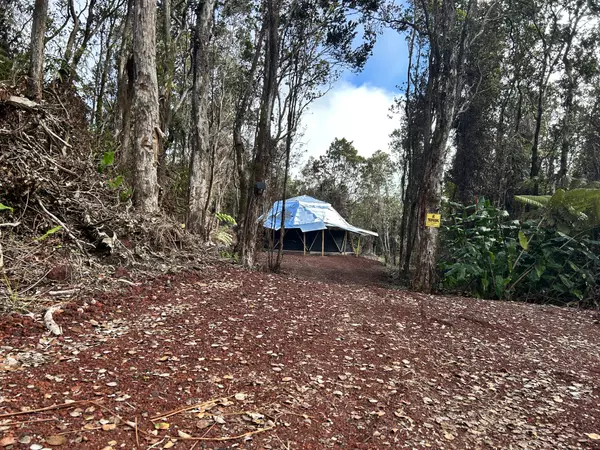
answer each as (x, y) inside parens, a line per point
(429, 202)
(199, 162)
(569, 96)
(238, 140)
(145, 106)
(122, 115)
(445, 82)
(535, 164)
(35, 79)
(98, 121)
(64, 67)
(166, 89)
(262, 160)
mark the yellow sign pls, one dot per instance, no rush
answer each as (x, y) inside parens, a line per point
(433, 220)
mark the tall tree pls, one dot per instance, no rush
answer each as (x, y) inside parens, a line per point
(36, 59)
(199, 199)
(262, 159)
(448, 32)
(145, 106)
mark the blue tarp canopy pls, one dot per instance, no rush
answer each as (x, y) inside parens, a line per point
(308, 214)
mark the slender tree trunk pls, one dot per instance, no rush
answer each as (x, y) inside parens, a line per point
(98, 121)
(88, 33)
(535, 164)
(35, 79)
(199, 162)
(166, 89)
(145, 106)
(262, 161)
(566, 143)
(122, 114)
(238, 140)
(68, 54)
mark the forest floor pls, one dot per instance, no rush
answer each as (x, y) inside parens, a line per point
(324, 355)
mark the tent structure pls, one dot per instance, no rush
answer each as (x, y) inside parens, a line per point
(311, 225)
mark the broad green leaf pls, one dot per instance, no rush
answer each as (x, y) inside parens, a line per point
(499, 281)
(540, 267)
(523, 241)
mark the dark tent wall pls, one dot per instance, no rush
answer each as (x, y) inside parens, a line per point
(334, 240)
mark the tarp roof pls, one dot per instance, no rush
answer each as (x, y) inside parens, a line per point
(308, 214)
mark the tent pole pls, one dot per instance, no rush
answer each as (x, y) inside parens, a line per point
(323, 243)
(304, 240)
(344, 244)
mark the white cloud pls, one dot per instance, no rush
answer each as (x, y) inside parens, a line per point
(358, 113)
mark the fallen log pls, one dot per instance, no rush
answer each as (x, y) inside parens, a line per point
(21, 102)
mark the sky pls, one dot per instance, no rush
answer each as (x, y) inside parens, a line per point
(358, 106)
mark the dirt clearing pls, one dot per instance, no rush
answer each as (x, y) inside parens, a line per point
(283, 361)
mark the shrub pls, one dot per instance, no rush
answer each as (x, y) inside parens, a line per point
(490, 255)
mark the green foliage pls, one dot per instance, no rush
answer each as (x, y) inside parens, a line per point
(225, 219)
(49, 233)
(229, 255)
(576, 209)
(4, 207)
(223, 236)
(539, 201)
(487, 254)
(115, 183)
(125, 194)
(108, 159)
(224, 233)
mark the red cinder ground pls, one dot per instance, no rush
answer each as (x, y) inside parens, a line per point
(323, 355)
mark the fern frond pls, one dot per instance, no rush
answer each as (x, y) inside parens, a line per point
(223, 236)
(539, 201)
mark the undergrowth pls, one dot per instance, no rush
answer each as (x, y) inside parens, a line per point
(488, 254)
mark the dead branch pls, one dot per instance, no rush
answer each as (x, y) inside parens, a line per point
(64, 227)
(226, 438)
(54, 135)
(21, 102)
(47, 408)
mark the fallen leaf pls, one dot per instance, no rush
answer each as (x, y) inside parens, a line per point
(8, 440)
(219, 419)
(162, 425)
(449, 436)
(56, 440)
(184, 435)
(202, 424)
(109, 426)
(593, 436)
(241, 396)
